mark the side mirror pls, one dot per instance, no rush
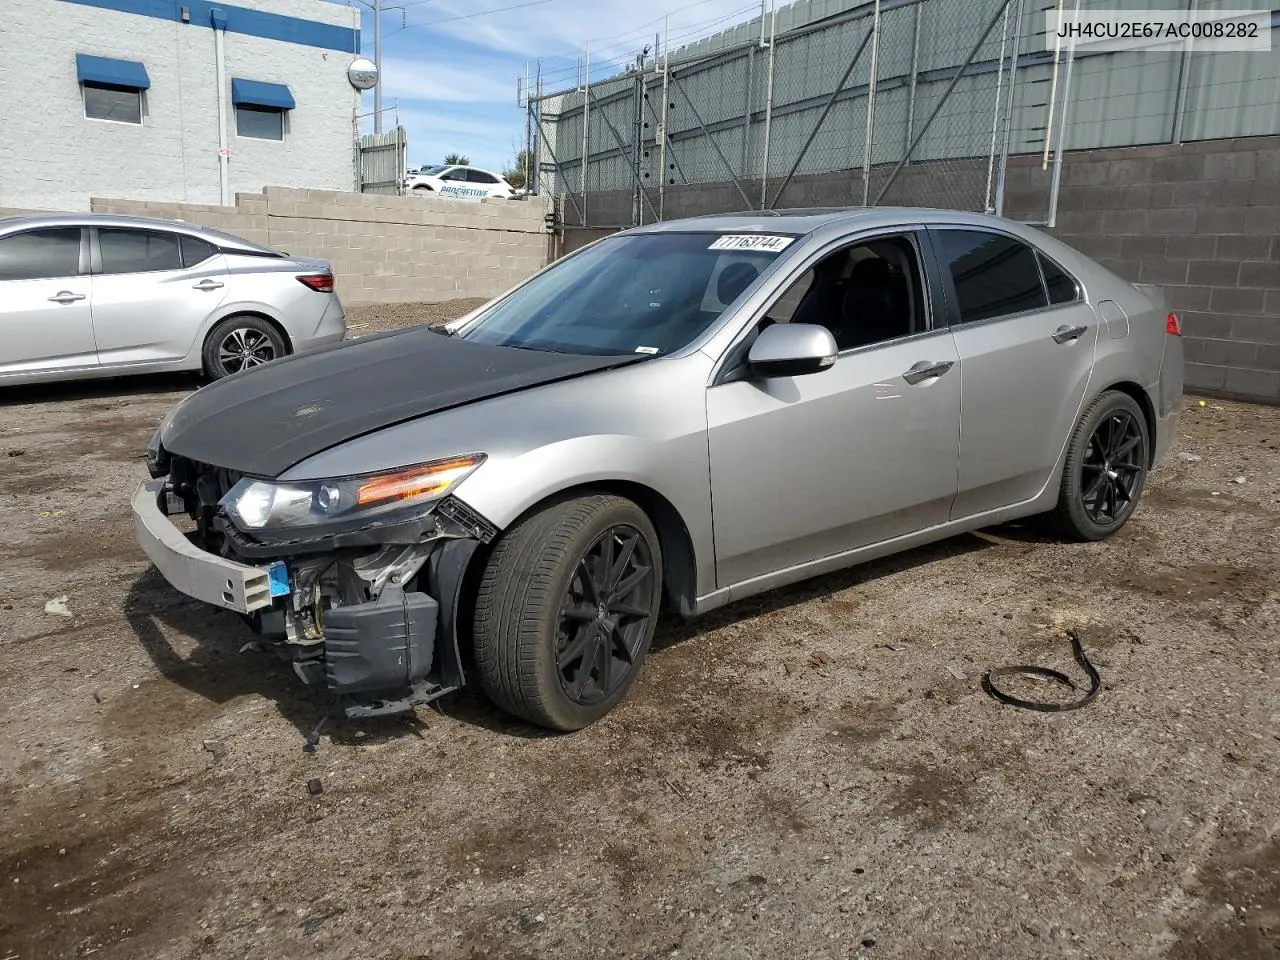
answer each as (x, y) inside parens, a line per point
(792, 350)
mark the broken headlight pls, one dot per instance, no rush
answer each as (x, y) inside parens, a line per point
(266, 505)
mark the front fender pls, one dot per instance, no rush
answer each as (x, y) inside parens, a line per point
(505, 488)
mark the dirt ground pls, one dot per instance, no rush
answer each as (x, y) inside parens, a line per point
(797, 775)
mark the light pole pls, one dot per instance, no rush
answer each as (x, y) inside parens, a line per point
(377, 8)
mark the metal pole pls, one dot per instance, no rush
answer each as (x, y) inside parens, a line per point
(995, 114)
(915, 70)
(1008, 110)
(662, 125)
(871, 106)
(813, 134)
(1053, 92)
(377, 63)
(768, 100)
(1184, 78)
(224, 155)
(937, 108)
(746, 108)
(1062, 127)
(586, 136)
(712, 140)
(528, 135)
(637, 142)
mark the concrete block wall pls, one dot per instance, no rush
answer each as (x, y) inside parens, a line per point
(383, 249)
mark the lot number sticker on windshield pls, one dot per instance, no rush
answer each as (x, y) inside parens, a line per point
(751, 241)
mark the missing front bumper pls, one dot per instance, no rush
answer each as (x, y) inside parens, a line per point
(381, 655)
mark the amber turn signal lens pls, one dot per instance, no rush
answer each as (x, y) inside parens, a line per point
(414, 482)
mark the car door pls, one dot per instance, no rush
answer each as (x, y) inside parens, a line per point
(1026, 355)
(153, 291)
(807, 467)
(45, 319)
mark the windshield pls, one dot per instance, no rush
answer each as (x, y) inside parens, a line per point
(431, 171)
(649, 293)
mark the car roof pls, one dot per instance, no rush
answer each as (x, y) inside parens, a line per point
(216, 237)
(803, 221)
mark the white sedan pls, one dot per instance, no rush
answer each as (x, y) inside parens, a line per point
(458, 181)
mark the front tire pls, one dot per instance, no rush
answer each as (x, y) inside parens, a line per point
(241, 343)
(1106, 468)
(566, 610)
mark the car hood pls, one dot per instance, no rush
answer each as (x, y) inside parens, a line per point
(263, 421)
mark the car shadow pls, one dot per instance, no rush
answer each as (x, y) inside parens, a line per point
(225, 665)
(106, 388)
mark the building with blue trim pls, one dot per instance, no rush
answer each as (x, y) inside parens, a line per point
(174, 100)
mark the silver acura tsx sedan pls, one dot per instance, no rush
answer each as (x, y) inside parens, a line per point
(689, 412)
(99, 296)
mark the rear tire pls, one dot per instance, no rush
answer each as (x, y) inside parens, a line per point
(1105, 470)
(241, 343)
(566, 610)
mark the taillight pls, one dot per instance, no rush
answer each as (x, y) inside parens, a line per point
(323, 282)
(1172, 325)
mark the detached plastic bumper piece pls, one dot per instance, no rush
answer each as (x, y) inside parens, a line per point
(378, 654)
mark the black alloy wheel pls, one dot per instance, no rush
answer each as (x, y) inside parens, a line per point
(1105, 468)
(604, 616)
(566, 608)
(1112, 468)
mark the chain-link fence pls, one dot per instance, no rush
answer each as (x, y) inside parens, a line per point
(896, 102)
(864, 102)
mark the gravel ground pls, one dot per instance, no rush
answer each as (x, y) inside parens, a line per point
(800, 774)
(365, 318)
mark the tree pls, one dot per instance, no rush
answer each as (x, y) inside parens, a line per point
(521, 170)
(458, 159)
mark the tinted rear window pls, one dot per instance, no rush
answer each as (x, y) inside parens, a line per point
(1062, 286)
(137, 251)
(195, 251)
(994, 275)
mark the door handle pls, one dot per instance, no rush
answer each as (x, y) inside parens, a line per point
(206, 285)
(926, 370)
(1064, 334)
(66, 296)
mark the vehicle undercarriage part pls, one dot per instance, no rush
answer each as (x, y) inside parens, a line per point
(1060, 678)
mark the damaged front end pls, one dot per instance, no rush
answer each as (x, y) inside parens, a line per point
(356, 581)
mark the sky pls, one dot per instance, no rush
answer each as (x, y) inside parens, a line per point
(449, 66)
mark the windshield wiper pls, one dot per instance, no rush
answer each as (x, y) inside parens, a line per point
(443, 329)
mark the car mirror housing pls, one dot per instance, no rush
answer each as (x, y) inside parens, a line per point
(792, 350)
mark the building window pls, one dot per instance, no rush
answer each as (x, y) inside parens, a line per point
(260, 123)
(112, 88)
(260, 108)
(112, 103)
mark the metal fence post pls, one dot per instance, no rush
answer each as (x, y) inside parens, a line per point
(662, 124)
(1062, 127)
(586, 137)
(768, 100)
(871, 105)
(1008, 110)
(995, 113)
(1184, 79)
(915, 71)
